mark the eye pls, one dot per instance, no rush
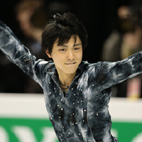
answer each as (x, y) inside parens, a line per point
(62, 49)
(76, 48)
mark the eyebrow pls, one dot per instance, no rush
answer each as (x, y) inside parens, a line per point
(67, 46)
(77, 44)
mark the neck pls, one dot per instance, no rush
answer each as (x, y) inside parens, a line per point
(66, 79)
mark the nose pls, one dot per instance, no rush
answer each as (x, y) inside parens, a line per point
(70, 55)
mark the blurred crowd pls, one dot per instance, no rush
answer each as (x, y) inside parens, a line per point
(32, 16)
(124, 40)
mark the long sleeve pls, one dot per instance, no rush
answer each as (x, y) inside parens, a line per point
(19, 54)
(116, 72)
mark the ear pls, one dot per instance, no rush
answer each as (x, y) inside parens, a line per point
(48, 54)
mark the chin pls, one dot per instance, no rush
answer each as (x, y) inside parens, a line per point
(70, 71)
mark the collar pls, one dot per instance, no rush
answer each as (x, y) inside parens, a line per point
(53, 72)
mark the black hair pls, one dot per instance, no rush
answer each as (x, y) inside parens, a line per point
(62, 27)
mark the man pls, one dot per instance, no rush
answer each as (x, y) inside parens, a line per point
(76, 92)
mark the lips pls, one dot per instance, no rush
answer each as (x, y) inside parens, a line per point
(70, 63)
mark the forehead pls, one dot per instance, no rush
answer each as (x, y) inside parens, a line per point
(73, 39)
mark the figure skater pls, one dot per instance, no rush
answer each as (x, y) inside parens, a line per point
(76, 92)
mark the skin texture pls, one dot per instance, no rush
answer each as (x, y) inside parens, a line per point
(67, 58)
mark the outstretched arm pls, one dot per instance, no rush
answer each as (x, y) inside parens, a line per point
(112, 73)
(19, 54)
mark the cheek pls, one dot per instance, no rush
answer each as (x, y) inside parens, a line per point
(79, 56)
(57, 59)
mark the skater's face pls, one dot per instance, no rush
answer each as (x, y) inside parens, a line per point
(68, 56)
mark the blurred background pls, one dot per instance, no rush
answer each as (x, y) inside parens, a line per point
(114, 28)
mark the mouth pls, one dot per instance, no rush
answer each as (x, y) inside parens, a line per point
(70, 63)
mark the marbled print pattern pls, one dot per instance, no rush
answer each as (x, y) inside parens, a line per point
(81, 116)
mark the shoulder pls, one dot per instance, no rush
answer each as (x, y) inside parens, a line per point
(90, 69)
(45, 65)
(98, 70)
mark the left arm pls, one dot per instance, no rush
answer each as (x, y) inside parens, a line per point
(116, 72)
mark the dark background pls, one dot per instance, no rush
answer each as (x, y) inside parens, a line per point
(98, 16)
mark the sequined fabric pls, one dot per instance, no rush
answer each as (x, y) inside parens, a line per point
(81, 116)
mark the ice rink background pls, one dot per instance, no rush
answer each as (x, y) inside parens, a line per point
(23, 118)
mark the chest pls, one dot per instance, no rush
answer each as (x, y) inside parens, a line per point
(74, 98)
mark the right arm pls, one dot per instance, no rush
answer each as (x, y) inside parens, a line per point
(16, 52)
